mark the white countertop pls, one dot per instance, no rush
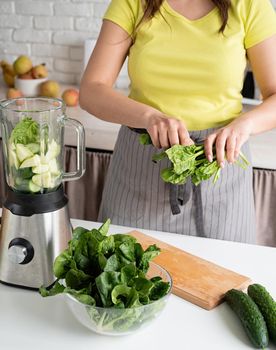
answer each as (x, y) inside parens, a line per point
(102, 135)
(28, 321)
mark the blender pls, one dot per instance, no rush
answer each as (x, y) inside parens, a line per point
(35, 221)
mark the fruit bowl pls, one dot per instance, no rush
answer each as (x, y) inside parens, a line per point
(29, 87)
(116, 321)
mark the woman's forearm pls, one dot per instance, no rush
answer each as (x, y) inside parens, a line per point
(263, 117)
(112, 106)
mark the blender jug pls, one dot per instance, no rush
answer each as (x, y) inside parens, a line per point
(33, 144)
(35, 221)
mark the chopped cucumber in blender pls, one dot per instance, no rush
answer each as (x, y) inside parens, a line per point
(33, 187)
(13, 160)
(33, 147)
(43, 180)
(53, 150)
(26, 186)
(23, 152)
(31, 162)
(25, 173)
(42, 168)
(53, 167)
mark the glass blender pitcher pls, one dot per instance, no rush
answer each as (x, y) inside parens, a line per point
(35, 221)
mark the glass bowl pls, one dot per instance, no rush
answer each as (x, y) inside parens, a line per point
(114, 321)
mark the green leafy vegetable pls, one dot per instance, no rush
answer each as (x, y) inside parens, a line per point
(145, 139)
(108, 271)
(25, 132)
(189, 161)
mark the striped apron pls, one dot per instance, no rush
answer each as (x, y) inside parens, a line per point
(135, 195)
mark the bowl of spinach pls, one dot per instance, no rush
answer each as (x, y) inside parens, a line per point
(110, 283)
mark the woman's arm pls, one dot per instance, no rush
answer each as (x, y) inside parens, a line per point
(98, 97)
(262, 118)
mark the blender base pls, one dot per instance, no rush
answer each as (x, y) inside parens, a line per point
(29, 246)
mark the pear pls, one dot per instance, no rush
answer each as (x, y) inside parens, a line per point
(39, 71)
(71, 97)
(22, 65)
(49, 88)
(8, 73)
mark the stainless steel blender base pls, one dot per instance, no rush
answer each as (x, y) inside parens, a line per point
(29, 246)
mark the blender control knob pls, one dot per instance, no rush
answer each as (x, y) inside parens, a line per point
(20, 251)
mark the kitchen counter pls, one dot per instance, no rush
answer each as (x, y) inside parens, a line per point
(102, 135)
(28, 321)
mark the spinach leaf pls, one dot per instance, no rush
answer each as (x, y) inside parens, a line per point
(57, 288)
(77, 279)
(158, 290)
(105, 227)
(108, 271)
(128, 272)
(190, 162)
(25, 132)
(105, 283)
(81, 295)
(112, 263)
(62, 264)
(150, 253)
(145, 139)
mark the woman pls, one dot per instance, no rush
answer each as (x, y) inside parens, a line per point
(186, 65)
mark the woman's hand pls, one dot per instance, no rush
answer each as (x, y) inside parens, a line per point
(166, 132)
(228, 141)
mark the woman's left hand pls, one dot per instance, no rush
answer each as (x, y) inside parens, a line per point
(228, 141)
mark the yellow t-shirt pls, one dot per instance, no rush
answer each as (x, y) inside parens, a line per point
(186, 68)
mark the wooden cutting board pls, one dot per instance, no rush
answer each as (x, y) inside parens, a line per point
(194, 279)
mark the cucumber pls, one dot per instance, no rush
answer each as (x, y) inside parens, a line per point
(31, 162)
(267, 306)
(53, 150)
(23, 152)
(13, 160)
(33, 147)
(42, 168)
(43, 180)
(27, 186)
(33, 187)
(53, 167)
(250, 316)
(25, 173)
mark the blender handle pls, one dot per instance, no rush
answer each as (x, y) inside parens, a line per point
(75, 175)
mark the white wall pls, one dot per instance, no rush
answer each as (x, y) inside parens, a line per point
(52, 31)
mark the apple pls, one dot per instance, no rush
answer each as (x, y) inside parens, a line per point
(49, 88)
(14, 93)
(22, 65)
(71, 97)
(39, 71)
(27, 75)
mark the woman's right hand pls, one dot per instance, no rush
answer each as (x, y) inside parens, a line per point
(166, 132)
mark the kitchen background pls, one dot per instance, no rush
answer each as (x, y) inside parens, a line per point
(52, 32)
(55, 32)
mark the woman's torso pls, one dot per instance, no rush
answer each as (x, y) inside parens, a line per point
(187, 69)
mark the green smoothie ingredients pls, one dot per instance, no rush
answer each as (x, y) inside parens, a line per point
(250, 316)
(257, 312)
(189, 162)
(32, 158)
(108, 271)
(267, 306)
